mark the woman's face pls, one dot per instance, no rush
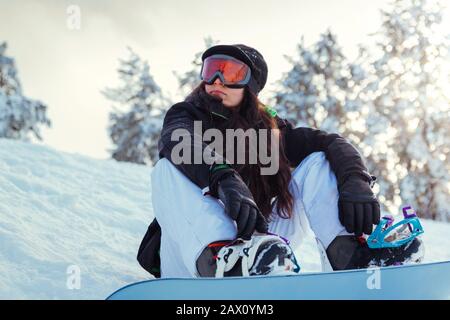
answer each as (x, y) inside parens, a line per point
(231, 98)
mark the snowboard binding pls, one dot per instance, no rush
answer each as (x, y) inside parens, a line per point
(390, 235)
(389, 245)
(264, 254)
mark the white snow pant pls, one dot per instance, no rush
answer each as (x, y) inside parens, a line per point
(190, 220)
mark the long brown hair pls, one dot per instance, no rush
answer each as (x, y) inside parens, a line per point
(251, 113)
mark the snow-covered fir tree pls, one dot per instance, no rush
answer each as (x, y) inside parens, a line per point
(319, 90)
(137, 116)
(409, 109)
(20, 117)
(189, 80)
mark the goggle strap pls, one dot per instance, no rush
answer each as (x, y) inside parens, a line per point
(253, 86)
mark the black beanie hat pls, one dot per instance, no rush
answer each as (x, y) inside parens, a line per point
(249, 56)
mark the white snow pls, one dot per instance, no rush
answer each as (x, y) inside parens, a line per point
(60, 210)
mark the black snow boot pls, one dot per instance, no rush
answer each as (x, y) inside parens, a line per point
(350, 252)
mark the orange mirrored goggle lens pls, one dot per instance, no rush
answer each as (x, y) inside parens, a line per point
(232, 70)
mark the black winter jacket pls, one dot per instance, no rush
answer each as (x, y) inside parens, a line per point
(300, 142)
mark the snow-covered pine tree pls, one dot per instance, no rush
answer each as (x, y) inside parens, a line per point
(137, 116)
(189, 80)
(409, 106)
(319, 90)
(20, 117)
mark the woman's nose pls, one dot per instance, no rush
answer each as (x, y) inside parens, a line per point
(218, 81)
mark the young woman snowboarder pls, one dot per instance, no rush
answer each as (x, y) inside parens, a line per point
(226, 218)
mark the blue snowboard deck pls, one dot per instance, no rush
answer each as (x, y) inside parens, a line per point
(419, 281)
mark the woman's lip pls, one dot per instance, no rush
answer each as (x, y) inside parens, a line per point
(217, 91)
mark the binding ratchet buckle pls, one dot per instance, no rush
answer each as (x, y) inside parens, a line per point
(390, 235)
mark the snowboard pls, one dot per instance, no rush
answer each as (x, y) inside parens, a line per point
(417, 281)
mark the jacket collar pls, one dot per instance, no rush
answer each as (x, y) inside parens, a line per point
(220, 111)
(209, 103)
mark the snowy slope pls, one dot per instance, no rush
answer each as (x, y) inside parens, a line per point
(59, 210)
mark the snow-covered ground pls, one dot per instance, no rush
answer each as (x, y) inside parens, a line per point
(62, 213)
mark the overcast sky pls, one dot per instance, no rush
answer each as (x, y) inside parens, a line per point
(66, 69)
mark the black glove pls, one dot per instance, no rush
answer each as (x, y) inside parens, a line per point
(227, 185)
(359, 209)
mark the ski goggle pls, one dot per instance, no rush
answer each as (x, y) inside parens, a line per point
(232, 72)
(390, 235)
